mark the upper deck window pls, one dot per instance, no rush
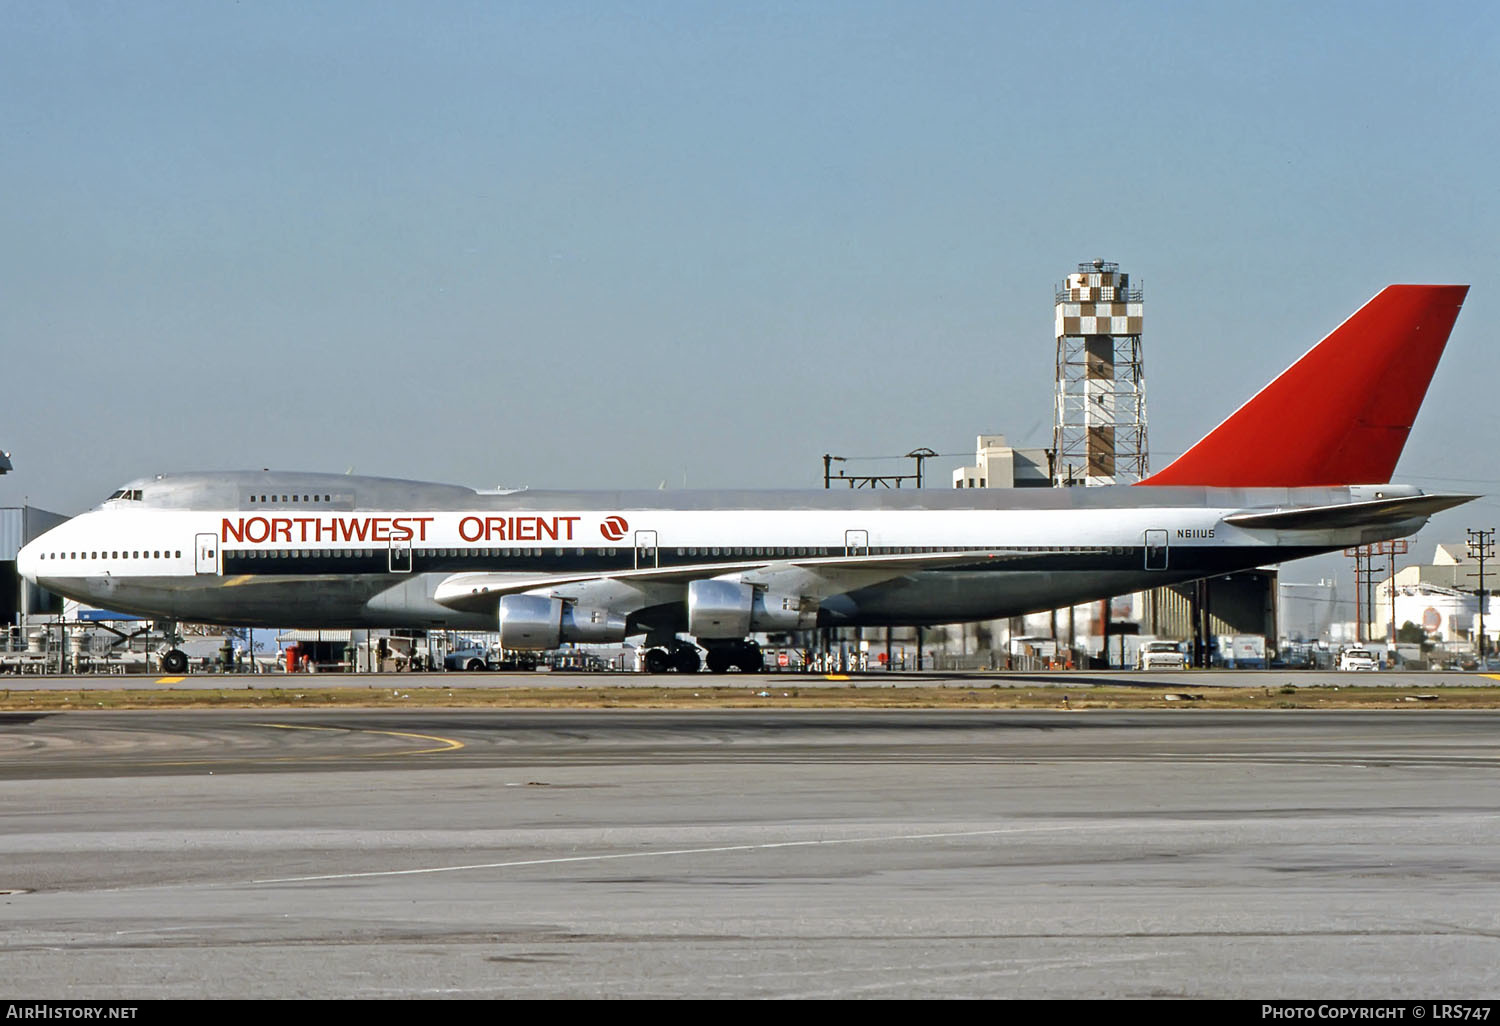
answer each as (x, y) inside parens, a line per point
(289, 498)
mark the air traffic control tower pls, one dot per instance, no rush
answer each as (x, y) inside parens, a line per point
(1099, 419)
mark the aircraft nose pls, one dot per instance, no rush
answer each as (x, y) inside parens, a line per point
(28, 561)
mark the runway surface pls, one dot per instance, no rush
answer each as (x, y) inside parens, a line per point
(764, 854)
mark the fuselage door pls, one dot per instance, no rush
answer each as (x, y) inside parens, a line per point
(206, 554)
(646, 553)
(1156, 550)
(856, 543)
(400, 556)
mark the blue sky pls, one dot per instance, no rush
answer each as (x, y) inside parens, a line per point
(620, 244)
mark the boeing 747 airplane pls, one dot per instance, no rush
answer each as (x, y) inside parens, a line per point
(1300, 469)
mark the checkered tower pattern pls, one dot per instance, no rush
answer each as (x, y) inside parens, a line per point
(1099, 428)
(1099, 303)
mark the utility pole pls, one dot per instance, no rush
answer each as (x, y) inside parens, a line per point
(828, 469)
(874, 480)
(1359, 554)
(1364, 574)
(921, 455)
(1481, 548)
(1370, 571)
(1391, 549)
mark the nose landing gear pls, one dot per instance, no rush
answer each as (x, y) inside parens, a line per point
(173, 660)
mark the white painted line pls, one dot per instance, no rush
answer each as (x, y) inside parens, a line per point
(670, 851)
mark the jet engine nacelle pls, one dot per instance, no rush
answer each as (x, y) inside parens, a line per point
(729, 609)
(539, 622)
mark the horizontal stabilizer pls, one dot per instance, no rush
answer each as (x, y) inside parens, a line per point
(1356, 514)
(1339, 415)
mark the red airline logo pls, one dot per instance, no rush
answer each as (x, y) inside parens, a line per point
(614, 528)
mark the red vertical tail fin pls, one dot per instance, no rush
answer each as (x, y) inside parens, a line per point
(1341, 414)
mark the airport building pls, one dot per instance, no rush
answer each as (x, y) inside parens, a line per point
(21, 602)
(997, 465)
(19, 525)
(1441, 597)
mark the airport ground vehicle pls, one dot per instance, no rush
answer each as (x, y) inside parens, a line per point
(478, 660)
(471, 660)
(1161, 655)
(1357, 659)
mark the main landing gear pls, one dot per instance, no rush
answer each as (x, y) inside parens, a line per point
(745, 655)
(683, 658)
(722, 657)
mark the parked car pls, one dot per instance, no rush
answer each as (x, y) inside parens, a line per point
(1357, 659)
(1160, 655)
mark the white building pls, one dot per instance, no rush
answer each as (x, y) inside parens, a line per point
(997, 465)
(1440, 597)
(1443, 613)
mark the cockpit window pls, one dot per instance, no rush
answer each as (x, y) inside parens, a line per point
(126, 493)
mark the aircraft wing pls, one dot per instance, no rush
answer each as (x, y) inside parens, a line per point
(477, 592)
(1353, 514)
